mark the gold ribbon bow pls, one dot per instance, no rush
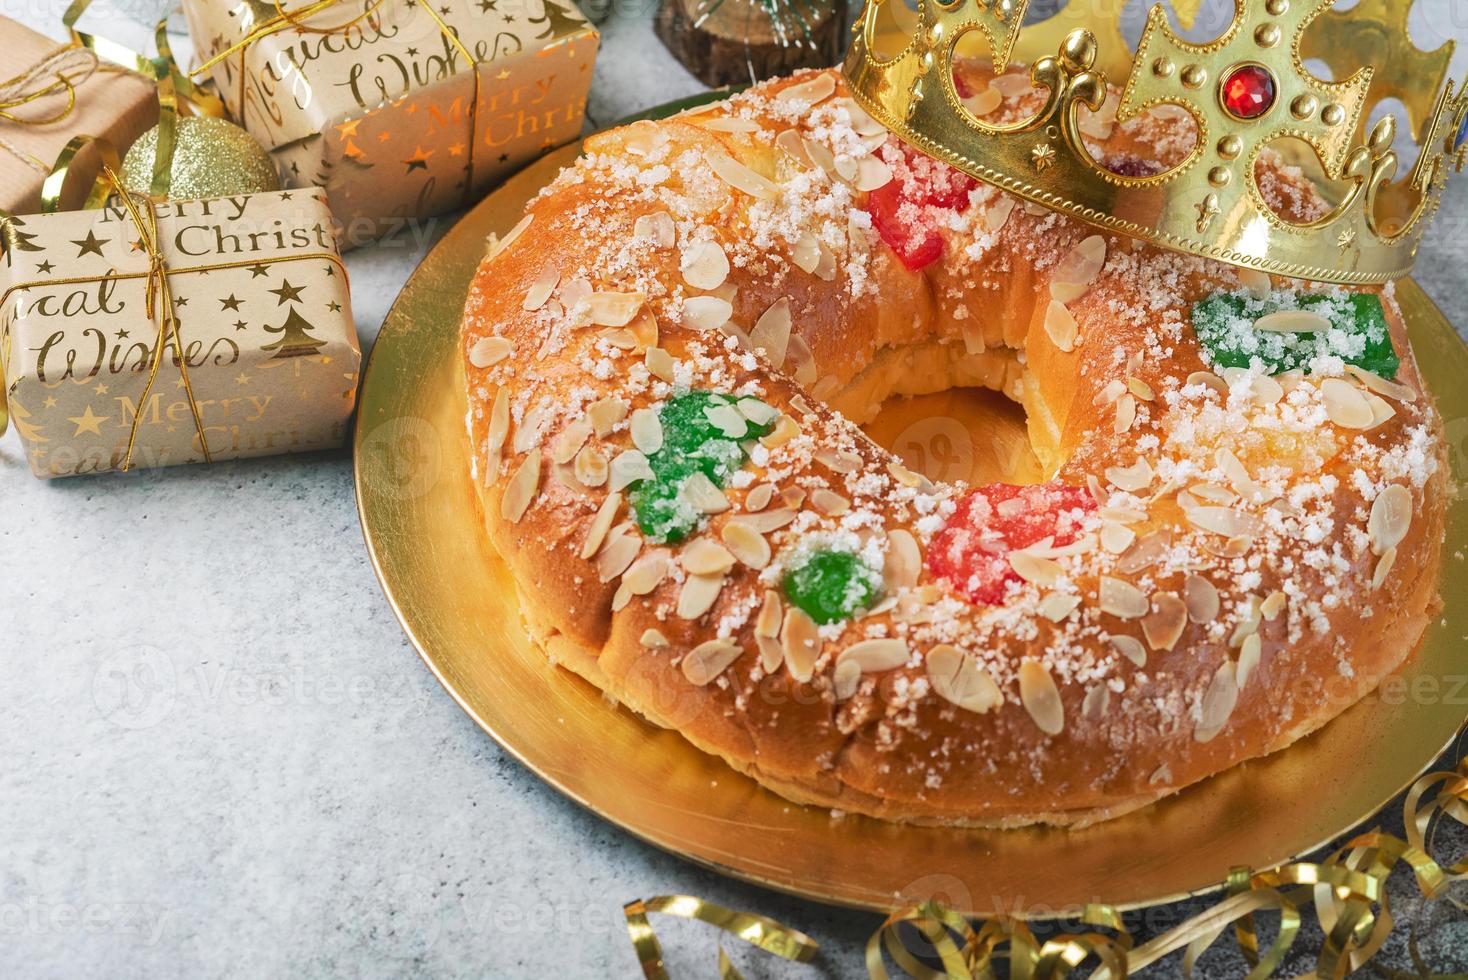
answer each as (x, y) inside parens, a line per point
(60, 71)
(297, 19)
(1348, 889)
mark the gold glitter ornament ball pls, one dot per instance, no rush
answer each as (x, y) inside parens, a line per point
(212, 158)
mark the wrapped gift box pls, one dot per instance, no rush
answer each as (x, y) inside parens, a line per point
(39, 118)
(380, 108)
(256, 285)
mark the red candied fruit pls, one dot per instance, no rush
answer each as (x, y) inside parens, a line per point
(971, 552)
(899, 209)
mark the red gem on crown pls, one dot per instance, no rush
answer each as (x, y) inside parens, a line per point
(1248, 91)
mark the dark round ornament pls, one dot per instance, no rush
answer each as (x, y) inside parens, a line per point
(212, 158)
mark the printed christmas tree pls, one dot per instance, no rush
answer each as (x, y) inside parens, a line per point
(295, 339)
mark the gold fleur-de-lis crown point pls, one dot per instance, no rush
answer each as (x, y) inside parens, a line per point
(1248, 89)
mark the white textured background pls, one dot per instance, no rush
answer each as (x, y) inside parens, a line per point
(220, 757)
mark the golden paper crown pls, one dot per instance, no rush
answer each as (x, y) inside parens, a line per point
(1247, 89)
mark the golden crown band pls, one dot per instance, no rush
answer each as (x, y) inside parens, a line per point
(1246, 90)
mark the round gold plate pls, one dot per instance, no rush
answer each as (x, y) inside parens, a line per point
(457, 603)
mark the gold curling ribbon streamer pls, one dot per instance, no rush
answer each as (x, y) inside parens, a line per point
(60, 71)
(1348, 889)
(296, 19)
(767, 934)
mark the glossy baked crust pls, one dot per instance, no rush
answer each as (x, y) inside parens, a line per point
(1303, 552)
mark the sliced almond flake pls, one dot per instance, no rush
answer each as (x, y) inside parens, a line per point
(958, 679)
(657, 226)
(1038, 571)
(728, 124)
(1078, 269)
(766, 520)
(903, 475)
(1248, 660)
(570, 440)
(771, 332)
(1273, 605)
(821, 156)
(871, 174)
(705, 265)
(806, 253)
(1345, 404)
(1255, 281)
(1391, 516)
(1119, 515)
(1141, 389)
(596, 532)
(1097, 700)
(759, 498)
(792, 497)
(757, 411)
(726, 419)
(1218, 703)
(708, 660)
(1056, 606)
(846, 168)
(1266, 391)
(614, 309)
(801, 639)
(1235, 547)
(706, 312)
(704, 496)
(605, 414)
(1292, 321)
(1138, 476)
(873, 656)
(845, 680)
(771, 614)
(528, 434)
(1116, 538)
(746, 545)
(1041, 698)
(1121, 599)
(1201, 598)
(591, 467)
(653, 639)
(616, 555)
(1383, 567)
(1131, 648)
(698, 595)
(647, 572)
(740, 177)
(1381, 410)
(703, 556)
(489, 351)
(540, 290)
(1126, 413)
(520, 491)
(1164, 625)
(771, 654)
(984, 103)
(565, 475)
(800, 362)
(1148, 550)
(661, 364)
(498, 245)
(829, 503)
(1113, 390)
(791, 142)
(1060, 326)
(647, 431)
(499, 431)
(620, 338)
(997, 216)
(1380, 385)
(904, 562)
(643, 137)
(1248, 623)
(629, 466)
(1223, 520)
(839, 461)
(1208, 380)
(805, 94)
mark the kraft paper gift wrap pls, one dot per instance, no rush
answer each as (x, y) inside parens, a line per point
(38, 116)
(269, 352)
(375, 100)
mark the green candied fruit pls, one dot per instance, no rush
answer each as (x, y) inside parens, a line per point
(1224, 323)
(692, 443)
(830, 585)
